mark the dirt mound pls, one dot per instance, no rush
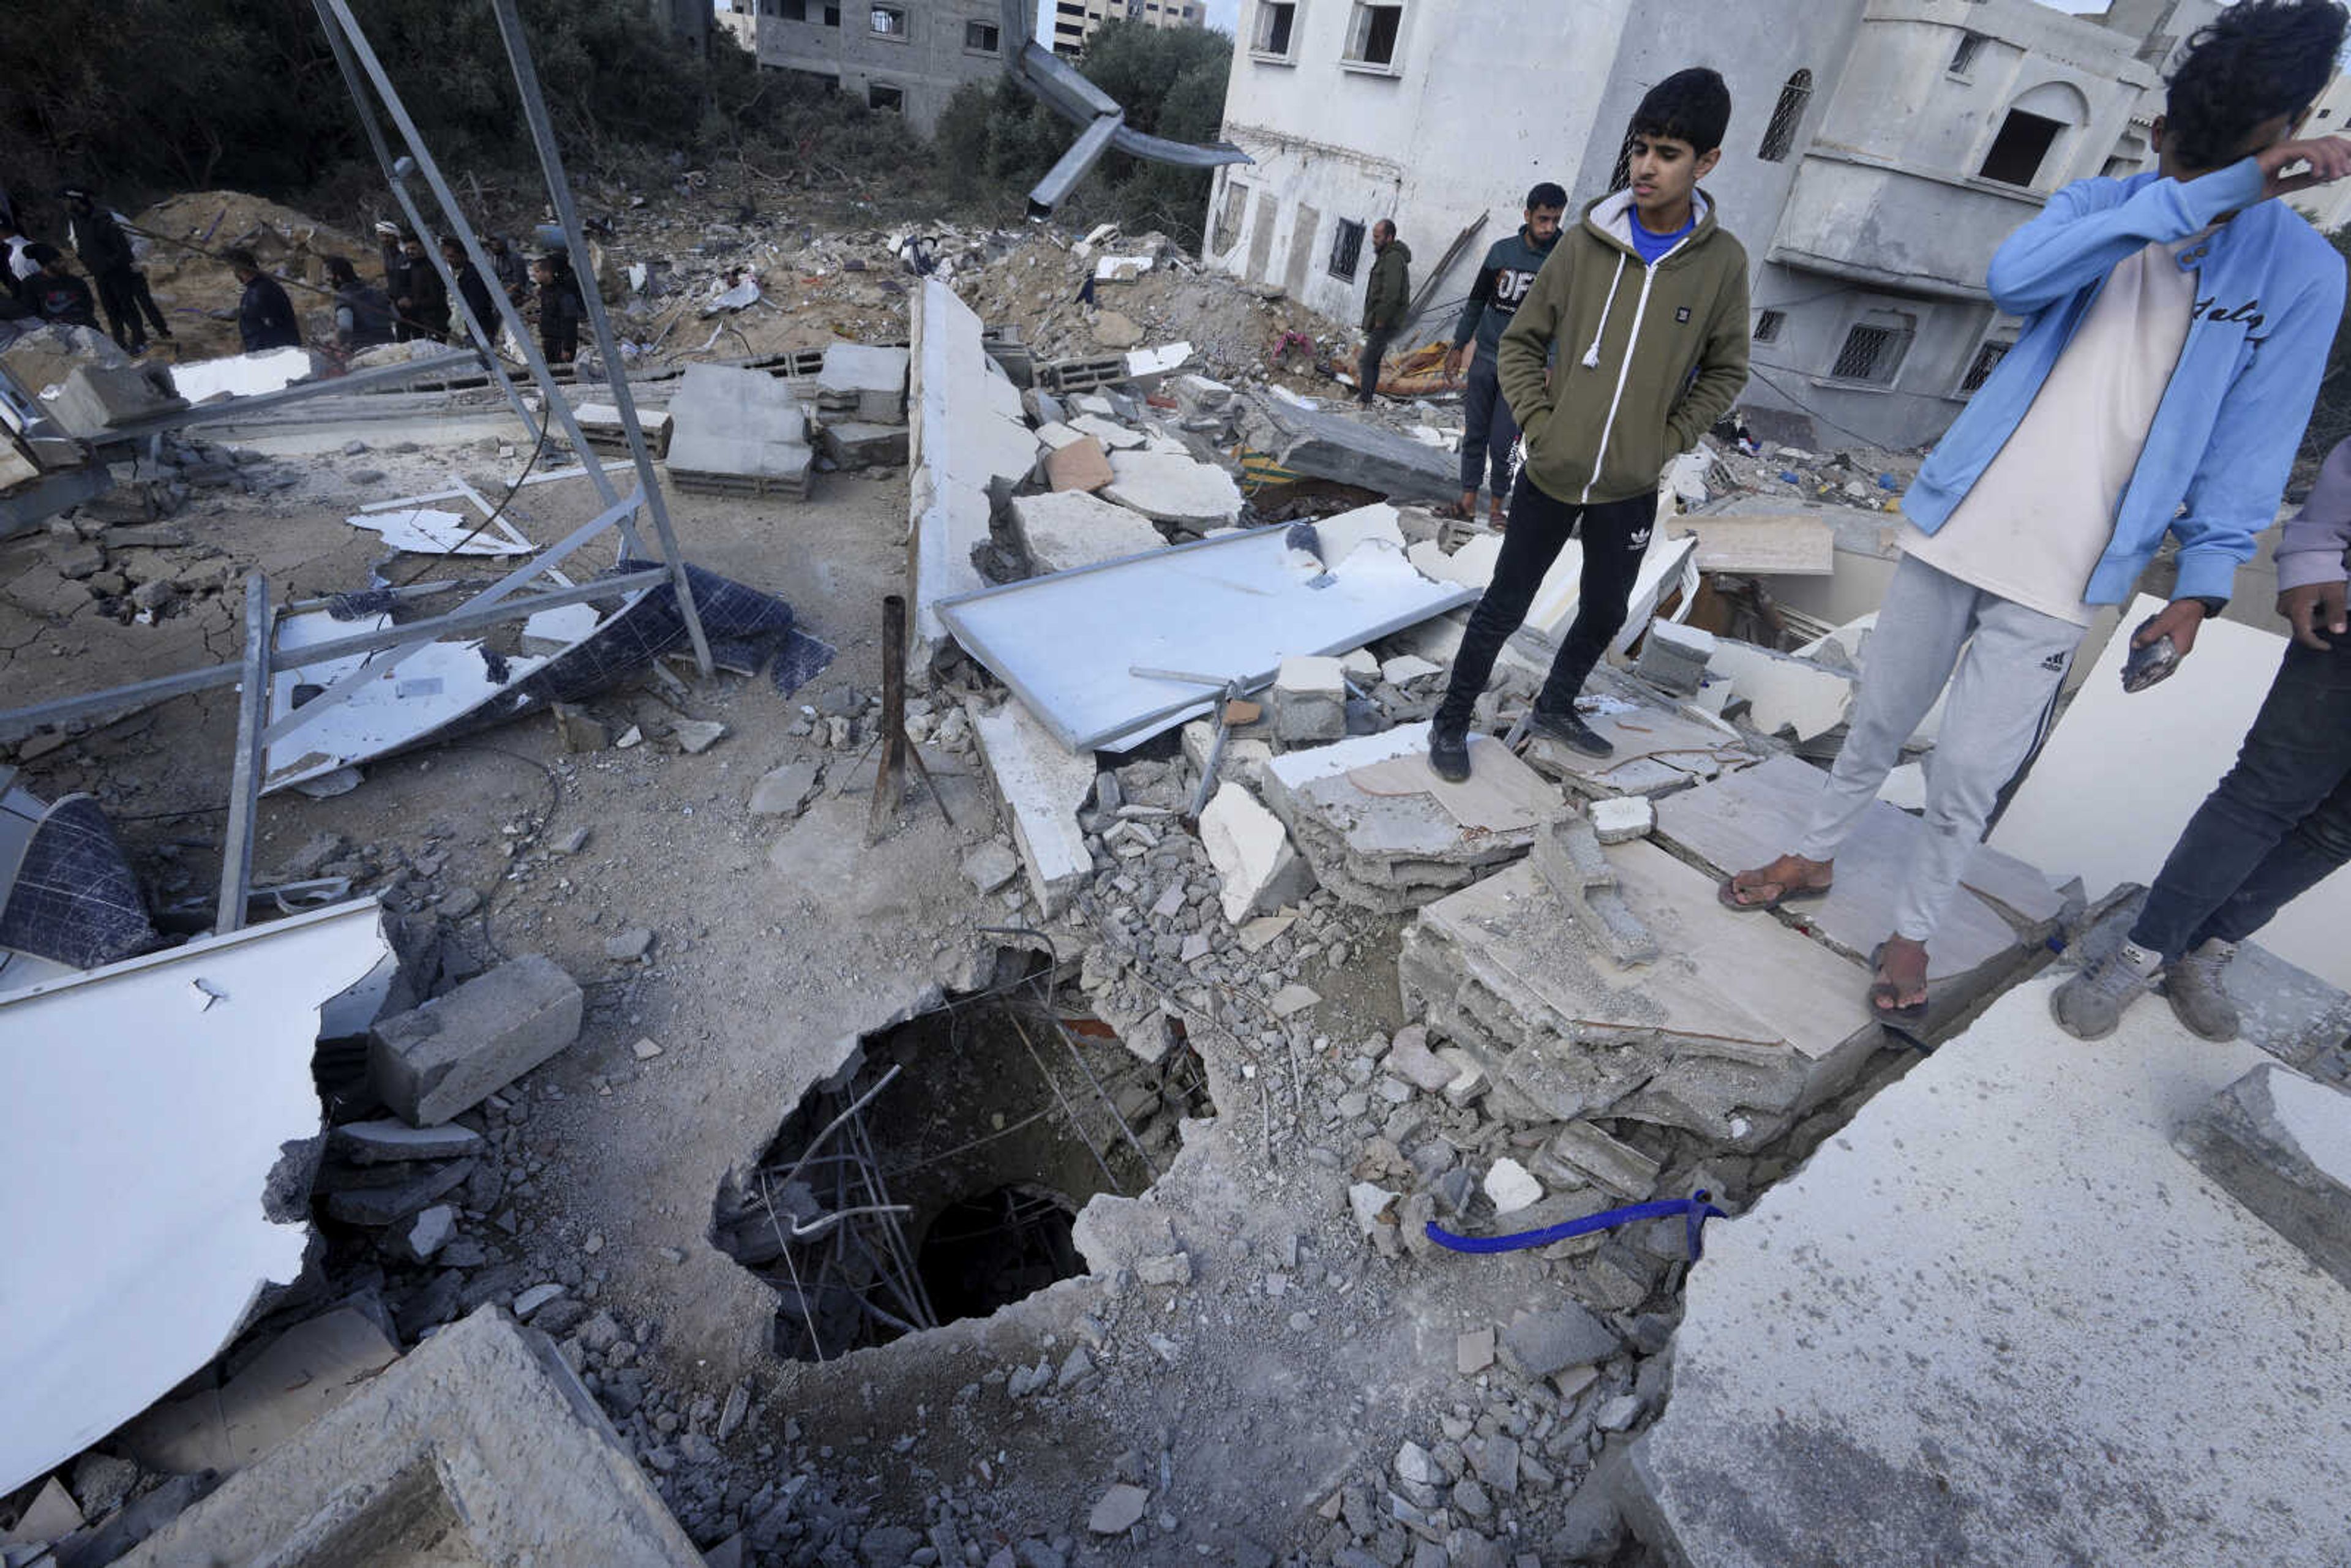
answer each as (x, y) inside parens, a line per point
(286, 241)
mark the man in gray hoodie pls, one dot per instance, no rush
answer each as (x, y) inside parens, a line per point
(1503, 280)
(1385, 299)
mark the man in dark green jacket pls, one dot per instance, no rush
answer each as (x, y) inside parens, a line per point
(1646, 302)
(1384, 303)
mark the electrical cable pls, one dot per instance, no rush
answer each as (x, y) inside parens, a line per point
(1844, 429)
(536, 452)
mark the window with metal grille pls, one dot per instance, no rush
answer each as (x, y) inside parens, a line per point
(1963, 59)
(1780, 136)
(1275, 23)
(1347, 249)
(2017, 153)
(1372, 33)
(980, 38)
(1767, 325)
(1987, 358)
(1873, 351)
(1621, 174)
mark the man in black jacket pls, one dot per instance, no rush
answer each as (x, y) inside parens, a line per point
(55, 294)
(265, 317)
(105, 253)
(419, 296)
(561, 308)
(471, 287)
(1503, 280)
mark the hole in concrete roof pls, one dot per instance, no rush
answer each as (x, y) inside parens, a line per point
(938, 1174)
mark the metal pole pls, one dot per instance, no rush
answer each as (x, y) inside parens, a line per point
(245, 778)
(385, 161)
(337, 15)
(890, 782)
(550, 156)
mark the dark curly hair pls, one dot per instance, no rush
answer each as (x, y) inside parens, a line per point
(1692, 106)
(2258, 60)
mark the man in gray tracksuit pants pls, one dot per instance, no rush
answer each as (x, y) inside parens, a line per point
(1503, 280)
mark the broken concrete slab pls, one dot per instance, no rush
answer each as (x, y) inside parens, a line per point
(1078, 465)
(51, 1516)
(958, 443)
(378, 1142)
(1259, 870)
(2281, 1144)
(859, 444)
(1042, 784)
(1309, 699)
(457, 1049)
(1171, 489)
(1071, 529)
(302, 1374)
(1547, 1343)
(1324, 445)
(1739, 1027)
(1794, 544)
(379, 1196)
(1382, 831)
(990, 865)
(1623, 818)
(481, 1440)
(1570, 860)
(783, 791)
(2006, 1375)
(241, 375)
(93, 399)
(866, 378)
(1745, 819)
(1114, 436)
(1784, 694)
(141, 1238)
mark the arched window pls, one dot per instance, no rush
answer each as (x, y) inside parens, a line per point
(2035, 122)
(1780, 136)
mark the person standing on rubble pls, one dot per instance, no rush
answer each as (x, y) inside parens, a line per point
(265, 317)
(470, 286)
(561, 308)
(1385, 300)
(1503, 278)
(420, 297)
(513, 275)
(1661, 289)
(55, 294)
(2280, 823)
(106, 254)
(2177, 327)
(362, 313)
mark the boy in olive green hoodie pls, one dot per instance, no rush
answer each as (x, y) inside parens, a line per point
(1646, 301)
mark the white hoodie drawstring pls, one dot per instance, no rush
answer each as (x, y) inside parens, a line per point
(1592, 354)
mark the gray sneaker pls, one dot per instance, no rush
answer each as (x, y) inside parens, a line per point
(2192, 984)
(2092, 1003)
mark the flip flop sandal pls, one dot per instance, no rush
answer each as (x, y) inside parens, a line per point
(1886, 990)
(1726, 893)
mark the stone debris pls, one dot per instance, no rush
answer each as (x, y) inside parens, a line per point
(446, 1056)
(1167, 488)
(1674, 657)
(990, 865)
(1041, 786)
(1547, 1343)
(1309, 699)
(1382, 831)
(1063, 530)
(375, 1142)
(787, 791)
(1511, 1186)
(867, 381)
(1082, 464)
(1622, 819)
(2281, 1144)
(1258, 870)
(1568, 857)
(1118, 1510)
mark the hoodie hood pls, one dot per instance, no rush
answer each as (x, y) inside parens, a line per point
(1611, 218)
(1397, 248)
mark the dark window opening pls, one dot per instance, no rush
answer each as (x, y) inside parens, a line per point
(1780, 135)
(889, 22)
(1372, 34)
(980, 36)
(1767, 326)
(2016, 154)
(832, 15)
(1347, 249)
(1274, 23)
(880, 95)
(1963, 59)
(1987, 360)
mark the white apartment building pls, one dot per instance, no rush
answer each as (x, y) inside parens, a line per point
(1878, 152)
(906, 56)
(1074, 21)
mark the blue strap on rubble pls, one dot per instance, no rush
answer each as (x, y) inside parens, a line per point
(1694, 1211)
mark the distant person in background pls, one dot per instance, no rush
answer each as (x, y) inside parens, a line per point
(265, 317)
(419, 296)
(105, 254)
(514, 276)
(387, 250)
(55, 294)
(363, 312)
(16, 267)
(1385, 300)
(1503, 280)
(470, 286)
(561, 308)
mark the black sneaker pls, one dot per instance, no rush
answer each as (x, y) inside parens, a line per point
(1448, 751)
(1568, 729)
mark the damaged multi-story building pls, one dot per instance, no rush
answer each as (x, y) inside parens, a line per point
(1879, 151)
(904, 56)
(1075, 21)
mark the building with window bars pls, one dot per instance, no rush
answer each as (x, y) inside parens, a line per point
(904, 57)
(1074, 21)
(1879, 151)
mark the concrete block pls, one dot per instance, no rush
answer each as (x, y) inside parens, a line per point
(1309, 699)
(93, 398)
(1061, 530)
(1623, 818)
(1593, 1156)
(1041, 785)
(857, 443)
(2007, 1373)
(1171, 489)
(2281, 1146)
(1259, 870)
(871, 380)
(1327, 445)
(387, 1195)
(376, 1142)
(1541, 1343)
(431, 1063)
(1079, 465)
(481, 1442)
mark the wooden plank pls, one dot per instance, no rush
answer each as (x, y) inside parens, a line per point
(1788, 545)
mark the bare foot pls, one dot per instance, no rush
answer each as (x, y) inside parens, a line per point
(1901, 975)
(1770, 883)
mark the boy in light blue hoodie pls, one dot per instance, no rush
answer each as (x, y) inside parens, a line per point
(2177, 327)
